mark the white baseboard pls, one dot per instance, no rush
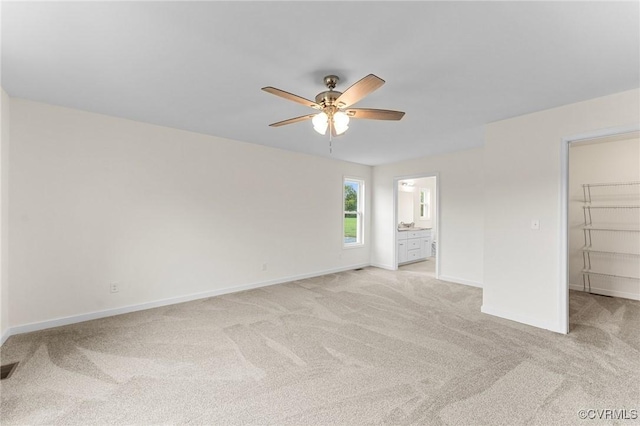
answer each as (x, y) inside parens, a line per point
(42, 325)
(383, 266)
(4, 336)
(513, 316)
(607, 292)
(459, 281)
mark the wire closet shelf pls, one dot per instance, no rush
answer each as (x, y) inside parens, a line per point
(619, 202)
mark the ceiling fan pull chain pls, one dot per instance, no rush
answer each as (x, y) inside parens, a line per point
(331, 134)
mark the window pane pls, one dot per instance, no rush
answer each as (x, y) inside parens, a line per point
(352, 220)
(425, 199)
(350, 228)
(350, 196)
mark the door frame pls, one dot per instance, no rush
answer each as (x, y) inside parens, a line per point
(563, 288)
(438, 209)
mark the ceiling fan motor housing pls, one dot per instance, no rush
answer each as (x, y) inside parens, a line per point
(327, 98)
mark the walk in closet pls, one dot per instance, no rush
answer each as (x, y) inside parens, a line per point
(611, 231)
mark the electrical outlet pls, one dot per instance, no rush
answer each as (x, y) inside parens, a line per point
(114, 287)
(535, 224)
(264, 266)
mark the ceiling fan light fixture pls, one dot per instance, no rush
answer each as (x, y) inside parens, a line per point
(332, 105)
(340, 122)
(320, 123)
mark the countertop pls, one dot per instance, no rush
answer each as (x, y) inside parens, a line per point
(412, 229)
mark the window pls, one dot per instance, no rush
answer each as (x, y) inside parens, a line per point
(353, 212)
(425, 203)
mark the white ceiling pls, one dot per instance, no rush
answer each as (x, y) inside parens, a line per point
(199, 66)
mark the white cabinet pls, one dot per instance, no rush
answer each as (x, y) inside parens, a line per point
(426, 247)
(413, 245)
(402, 251)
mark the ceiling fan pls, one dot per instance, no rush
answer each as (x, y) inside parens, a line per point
(334, 106)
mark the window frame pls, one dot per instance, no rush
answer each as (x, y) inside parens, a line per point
(359, 212)
(425, 206)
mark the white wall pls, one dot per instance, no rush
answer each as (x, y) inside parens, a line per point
(523, 182)
(163, 212)
(461, 212)
(167, 213)
(614, 159)
(4, 214)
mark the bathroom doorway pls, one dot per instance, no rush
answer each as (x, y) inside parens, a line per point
(417, 224)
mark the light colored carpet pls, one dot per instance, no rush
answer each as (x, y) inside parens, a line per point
(427, 267)
(361, 347)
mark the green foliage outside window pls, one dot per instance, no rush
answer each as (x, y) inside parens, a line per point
(350, 199)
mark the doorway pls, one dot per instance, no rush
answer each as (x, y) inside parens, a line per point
(601, 215)
(416, 224)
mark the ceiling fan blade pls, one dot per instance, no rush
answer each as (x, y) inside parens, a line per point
(292, 120)
(359, 90)
(291, 97)
(374, 114)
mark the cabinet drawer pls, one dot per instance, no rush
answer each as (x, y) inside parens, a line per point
(414, 243)
(401, 235)
(419, 234)
(413, 254)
